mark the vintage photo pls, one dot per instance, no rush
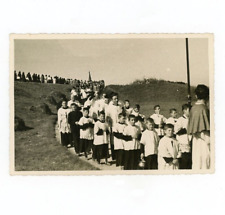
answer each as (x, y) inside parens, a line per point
(111, 104)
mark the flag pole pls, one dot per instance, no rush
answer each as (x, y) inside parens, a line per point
(188, 73)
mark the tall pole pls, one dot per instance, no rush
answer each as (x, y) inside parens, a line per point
(188, 73)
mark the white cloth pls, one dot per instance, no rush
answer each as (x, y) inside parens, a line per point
(128, 111)
(118, 143)
(94, 109)
(89, 132)
(133, 131)
(102, 104)
(169, 148)
(150, 140)
(158, 119)
(88, 102)
(171, 120)
(63, 124)
(83, 94)
(112, 114)
(101, 139)
(182, 139)
(201, 151)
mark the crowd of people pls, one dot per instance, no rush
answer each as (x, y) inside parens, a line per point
(111, 131)
(80, 84)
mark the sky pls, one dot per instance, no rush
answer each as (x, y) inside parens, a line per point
(117, 61)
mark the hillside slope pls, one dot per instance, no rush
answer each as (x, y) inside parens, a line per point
(36, 148)
(166, 94)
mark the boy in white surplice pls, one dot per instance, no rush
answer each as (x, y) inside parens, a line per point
(169, 150)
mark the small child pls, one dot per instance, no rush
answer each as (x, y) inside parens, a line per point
(86, 124)
(149, 145)
(168, 150)
(173, 117)
(132, 136)
(127, 108)
(199, 128)
(101, 139)
(180, 129)
(159, 121)
(139, 118)
(118, 139)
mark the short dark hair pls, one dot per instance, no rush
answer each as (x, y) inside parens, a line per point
(168, 126)
(131, 116)
(86, 109)
(106, 96)
(156, 106)
(149, 119)
(114, 94)
(101, 113)
(137, 106)
(202, 92)
(185, 107)
(173, 109)
(121, 115)
(127, 100)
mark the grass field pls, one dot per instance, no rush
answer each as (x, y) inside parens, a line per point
(166, 94)
(36, 148)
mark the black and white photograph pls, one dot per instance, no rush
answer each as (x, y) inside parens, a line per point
(111, 104)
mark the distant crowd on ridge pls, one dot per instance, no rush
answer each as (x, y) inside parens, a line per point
(78, 84)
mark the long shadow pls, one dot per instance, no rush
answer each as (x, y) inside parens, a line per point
(26, 128)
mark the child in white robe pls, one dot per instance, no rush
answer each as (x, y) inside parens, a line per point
(159, 121)
(118, 130)
(168, 150)
(180, 129)
(149, 145)
(132, 136)
(173, 117)
(86, 124)
(101, 139)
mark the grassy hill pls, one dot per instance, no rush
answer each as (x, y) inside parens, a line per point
(151, 92)
(36, 148)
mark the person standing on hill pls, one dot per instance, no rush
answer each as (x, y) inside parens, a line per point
(199, 128)
(42, 79)
(29, 76)
(73, 119)
(64, 126)
(23, 77)
(19, 76)
(15, 75)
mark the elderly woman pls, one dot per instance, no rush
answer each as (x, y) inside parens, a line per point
(64, 127)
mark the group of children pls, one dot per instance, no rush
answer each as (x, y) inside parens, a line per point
(121, 134)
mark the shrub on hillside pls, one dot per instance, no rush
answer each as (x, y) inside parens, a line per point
(42, 108)
(58, 95)
(19, 124)
(51, 100)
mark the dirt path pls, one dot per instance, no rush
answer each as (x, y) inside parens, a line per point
(93, 163)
